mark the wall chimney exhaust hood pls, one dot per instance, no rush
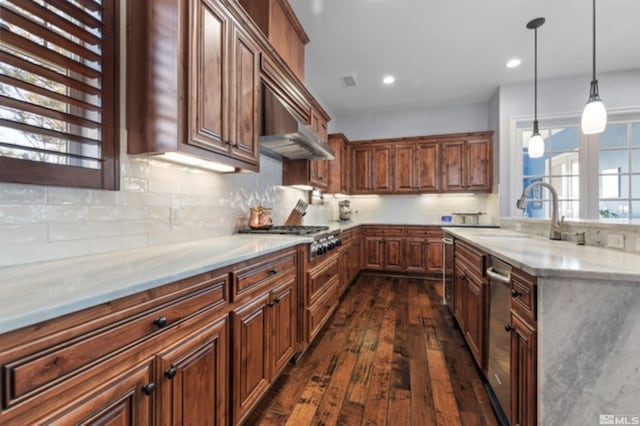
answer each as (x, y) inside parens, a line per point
(283, 136)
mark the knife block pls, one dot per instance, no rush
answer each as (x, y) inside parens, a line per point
(294, 219)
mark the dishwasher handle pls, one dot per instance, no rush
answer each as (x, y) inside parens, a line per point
(448, 241)
(498, 277)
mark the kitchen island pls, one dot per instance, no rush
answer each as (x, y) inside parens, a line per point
(588, 299)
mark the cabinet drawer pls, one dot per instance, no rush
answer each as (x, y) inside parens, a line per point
(346, 237)
(319, 312)
(476, 259)
(33, 373)
(263, 273)
(318, 278)
(523, 294)
(378, 231)
(424, 231)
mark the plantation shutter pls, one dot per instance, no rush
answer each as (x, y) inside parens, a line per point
(58, 92)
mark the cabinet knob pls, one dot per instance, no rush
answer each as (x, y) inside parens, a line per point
(171, 372)
(273, 271)
(276, 300)
(515, 293)
(149, 388)
(508, 328)
(161, 322)
(270, 304)
(462, 277)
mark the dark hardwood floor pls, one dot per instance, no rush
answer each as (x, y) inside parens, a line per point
(389, 356)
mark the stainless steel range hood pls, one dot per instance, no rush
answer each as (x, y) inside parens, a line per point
(284, 137)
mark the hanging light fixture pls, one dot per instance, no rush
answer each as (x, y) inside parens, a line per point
(594, 116)
(536, 142)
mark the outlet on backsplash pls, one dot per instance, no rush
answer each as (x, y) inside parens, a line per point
(616, 241)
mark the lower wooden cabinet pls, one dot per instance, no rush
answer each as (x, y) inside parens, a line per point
(524, 389)
(393, 249)
(193, 378)
(435, 255)
(125, 399)
(416, 255)
(263, 343)
(374, 253)
(476, 330)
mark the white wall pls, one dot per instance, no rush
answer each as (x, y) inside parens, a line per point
(399, 123)
(557, 99)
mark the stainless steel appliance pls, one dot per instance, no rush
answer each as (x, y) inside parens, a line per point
(283, 135)
(499, 371)
(447, 271)
(323, 240)
(344, 208)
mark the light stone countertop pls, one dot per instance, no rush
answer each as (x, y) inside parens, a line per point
(37, 292)
(545, 258)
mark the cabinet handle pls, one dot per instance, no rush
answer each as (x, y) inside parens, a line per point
(273, 271)
(462, 277)
(508, 328)
(270, 304)
(161, 322)
(171, 373)
(515, 293)
(149, 388)
(276, 300)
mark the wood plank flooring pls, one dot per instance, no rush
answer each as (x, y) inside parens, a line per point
(389, 356)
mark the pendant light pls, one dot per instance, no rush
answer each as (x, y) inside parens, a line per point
(536, 142)
(594, 116)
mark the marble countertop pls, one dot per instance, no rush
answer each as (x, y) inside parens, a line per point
(542, 257)
(37, 292)
(33, 293)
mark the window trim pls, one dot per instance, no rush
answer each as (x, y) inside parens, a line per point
(108, 175)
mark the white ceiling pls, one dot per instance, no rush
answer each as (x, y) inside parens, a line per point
(449, 52)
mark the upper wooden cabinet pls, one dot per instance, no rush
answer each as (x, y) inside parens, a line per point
(442, 163)
(467, 164)
(279, 23)
(313, 173)
(416, 168)
(372, 169)
(208, 108)
(338, 176)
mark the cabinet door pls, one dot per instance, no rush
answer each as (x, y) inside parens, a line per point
(319, 176)
(194, 378)
(479, 167)
(524, 387)
(426, 167)
(382, 170)
(208, 77)
(415, 255)
(474, 320)
(435, 255)
(373, 253)
(404, 169)
(393, 254)
(122, 401)
(460, 296)
(344, 169)
(453, 166)
(245, 97)
(361, 171)
(251, 359)
(283, 326)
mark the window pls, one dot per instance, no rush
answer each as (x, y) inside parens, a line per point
(58, 92)
(560, 166)
(609, 174)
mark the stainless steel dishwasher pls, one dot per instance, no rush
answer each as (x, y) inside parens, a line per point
(499, 372)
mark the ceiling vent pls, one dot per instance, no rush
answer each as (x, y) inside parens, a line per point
(348, 81)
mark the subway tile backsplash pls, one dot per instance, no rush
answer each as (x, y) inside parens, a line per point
(158, 203)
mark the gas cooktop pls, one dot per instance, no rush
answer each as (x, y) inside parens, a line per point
(288, 230)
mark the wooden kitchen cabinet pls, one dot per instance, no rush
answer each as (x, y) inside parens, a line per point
(416, 168)
(371, 170)
(338, 167)
(382, 170)
(476, 330)
(313, 173)
(435, 255)
(361, 170)
(374, 253)
(210, 108)
(415, 255)
(524, 388)
(393, 254)
(467, 164)
(193, 384)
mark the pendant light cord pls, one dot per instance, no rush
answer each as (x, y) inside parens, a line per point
(594, 39)
(535, 76)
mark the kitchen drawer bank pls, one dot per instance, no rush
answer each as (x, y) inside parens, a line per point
(163, 355)
(585, 309)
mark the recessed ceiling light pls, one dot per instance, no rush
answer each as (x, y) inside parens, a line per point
(513, 63)
(388, 79)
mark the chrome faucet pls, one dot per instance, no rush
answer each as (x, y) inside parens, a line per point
(555, 232)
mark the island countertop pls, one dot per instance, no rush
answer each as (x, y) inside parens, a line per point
(545, 258)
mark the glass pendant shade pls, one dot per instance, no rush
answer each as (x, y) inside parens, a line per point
(536, 146)
(594, 118)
